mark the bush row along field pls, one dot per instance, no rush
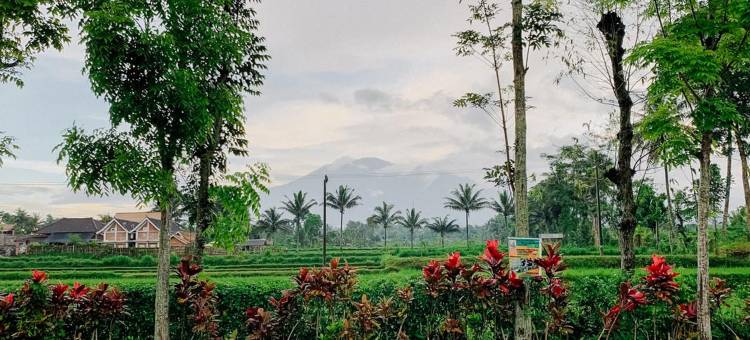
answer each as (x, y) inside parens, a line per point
(293, 261)
(235, 295)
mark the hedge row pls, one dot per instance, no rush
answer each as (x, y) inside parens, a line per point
(584, 310)
(589, 261)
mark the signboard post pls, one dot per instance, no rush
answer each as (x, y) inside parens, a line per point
(522, 251)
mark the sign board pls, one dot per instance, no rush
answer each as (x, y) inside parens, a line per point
(521, 251)
(550, 236)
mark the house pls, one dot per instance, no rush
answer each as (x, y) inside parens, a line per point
(7, 239)
(141, 230)
(23, 242)
(65, 230)
(255, 244)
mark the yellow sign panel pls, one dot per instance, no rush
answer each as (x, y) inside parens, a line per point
(522, 251)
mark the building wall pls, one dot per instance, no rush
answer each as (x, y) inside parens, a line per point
(176, 243)
(115, 234)
(147, 236)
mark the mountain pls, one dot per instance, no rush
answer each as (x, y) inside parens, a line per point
(378, 180)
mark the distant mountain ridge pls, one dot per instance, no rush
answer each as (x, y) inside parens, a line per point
(378, 180)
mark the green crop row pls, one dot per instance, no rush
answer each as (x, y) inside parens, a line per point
(585, 261)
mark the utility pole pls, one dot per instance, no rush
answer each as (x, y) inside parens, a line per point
(598, 206)
(325, 225)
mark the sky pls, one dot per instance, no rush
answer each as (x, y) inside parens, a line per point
(346, 79)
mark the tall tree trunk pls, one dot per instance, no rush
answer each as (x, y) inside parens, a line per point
(202, 219)
(411, 234)
(669, 205)
(725, 215)
(745, 180)
(299, 233)
(385, 237)
(505, 218)
(442, 240)
(342, 231)
(613, 29)
(161, 303)
(467, 229)
(523, 329)
(704, 314)
(519, 87)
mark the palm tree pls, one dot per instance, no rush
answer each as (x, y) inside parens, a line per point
(443, 226)
(299, 207)
(386, 217)
(466, 199)
(504, 206)
(412, 220)
(272, 221)
(343, 199)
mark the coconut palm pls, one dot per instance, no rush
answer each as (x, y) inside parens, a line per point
(443, 226)
(299, 207)
(386, 217)
(344, 198)
(504, 206)
(412, 220)
(272, 221)
(466, 199)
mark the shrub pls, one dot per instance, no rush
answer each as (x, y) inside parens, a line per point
(54, 311)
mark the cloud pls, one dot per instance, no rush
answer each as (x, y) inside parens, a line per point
(346, 78)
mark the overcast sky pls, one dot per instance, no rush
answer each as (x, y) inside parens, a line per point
(347, 78)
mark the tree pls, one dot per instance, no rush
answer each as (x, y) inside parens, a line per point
(503, 206)
(651, 211)
(344, 198)
(598, 63)
(540, 25)
(728, 153)
(29, 27)
(466, 199)
(613, 30)
(239, 72)
(385, 217)
(443, 226)
(272, 222)
(150, 62)
(299, 207)
(23, 222)
(312, 228)
(737, 89)
(700, 46)
(7, 145)
(537, 29)
(233, 203)
(565, 199)
(412, 220)
(487, 43)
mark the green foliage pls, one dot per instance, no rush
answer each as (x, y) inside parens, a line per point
(386, 217)
(443, 226)
(565, 199)
(23, 222)
(271, 222)
(299, 207)
(235, 201)
(7, 147)
(29, 27)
